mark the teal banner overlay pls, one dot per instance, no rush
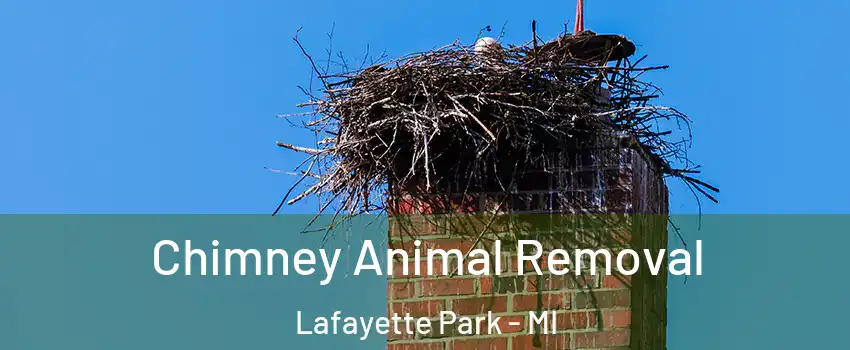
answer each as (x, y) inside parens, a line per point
(89, 282)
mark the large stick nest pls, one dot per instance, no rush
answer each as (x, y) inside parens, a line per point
(451, 121)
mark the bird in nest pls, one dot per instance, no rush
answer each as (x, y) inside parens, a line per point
(488, 52)
(486, 44)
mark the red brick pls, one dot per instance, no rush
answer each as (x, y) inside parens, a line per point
(616, 282)
(476, 306)
(549, 301)
(417, 346)
(480, 344)
(412, 226)
(602, 299)
(448, 286)
(400, 290)
(554, 282)
(618, 337)
(429, 308)
(616, 318)
(544, 283)
(486, 284)
(573, 320)
(547, 342)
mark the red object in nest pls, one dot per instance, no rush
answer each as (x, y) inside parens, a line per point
(579, 17)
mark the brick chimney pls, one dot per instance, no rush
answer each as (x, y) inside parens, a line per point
(593, 312)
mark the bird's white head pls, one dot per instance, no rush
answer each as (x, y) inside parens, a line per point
(486, 43)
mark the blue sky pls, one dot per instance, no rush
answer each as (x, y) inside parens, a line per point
(169, 106)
